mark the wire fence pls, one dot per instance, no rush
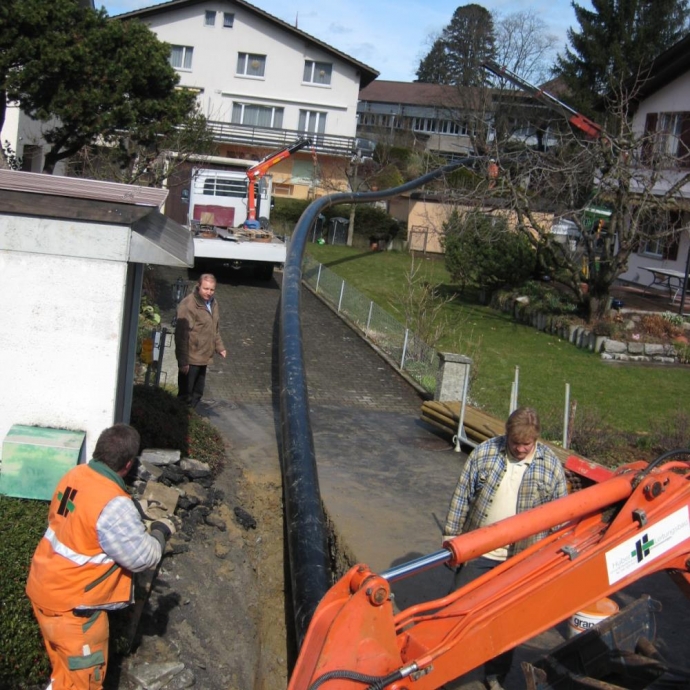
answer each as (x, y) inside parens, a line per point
(406, 350)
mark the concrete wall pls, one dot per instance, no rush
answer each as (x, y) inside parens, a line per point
(63, 283)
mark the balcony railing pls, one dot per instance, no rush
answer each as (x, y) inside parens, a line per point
(224, 132)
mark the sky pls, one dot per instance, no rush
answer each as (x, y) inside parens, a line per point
(391, 36)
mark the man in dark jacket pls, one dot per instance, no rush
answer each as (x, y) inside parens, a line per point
(197, 338)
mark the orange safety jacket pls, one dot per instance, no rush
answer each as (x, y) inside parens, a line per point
(69, 568)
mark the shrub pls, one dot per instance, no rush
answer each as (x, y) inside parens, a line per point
(480, 250)
(657, 326)
(23, 661)
(164, 421)
(591, 435)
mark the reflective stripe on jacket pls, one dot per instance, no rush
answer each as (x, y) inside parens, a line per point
(69, 568)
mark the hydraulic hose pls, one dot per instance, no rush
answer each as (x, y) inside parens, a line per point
(309, 563)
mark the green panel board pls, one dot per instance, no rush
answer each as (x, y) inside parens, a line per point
(34, 458)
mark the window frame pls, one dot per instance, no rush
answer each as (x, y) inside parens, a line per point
(319, 115)
(231, 17)
(312, 66)
(277, 114)
(210, 18)
(245, 58)
(187, 51)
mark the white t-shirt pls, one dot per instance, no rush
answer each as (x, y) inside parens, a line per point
(504, 503)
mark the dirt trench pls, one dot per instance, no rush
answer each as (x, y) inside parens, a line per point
(218, 605)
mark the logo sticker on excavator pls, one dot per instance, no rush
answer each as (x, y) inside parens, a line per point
(655, 541)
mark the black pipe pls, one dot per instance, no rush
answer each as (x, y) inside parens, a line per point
(305, 524)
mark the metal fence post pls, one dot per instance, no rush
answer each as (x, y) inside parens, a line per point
(340, 299)
(566, 413)
(161, 352)
(318, 278)
(371, 308)
(404, 352)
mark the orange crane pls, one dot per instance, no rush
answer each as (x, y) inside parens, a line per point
(581, 122)
(605, 537)
(256, 172)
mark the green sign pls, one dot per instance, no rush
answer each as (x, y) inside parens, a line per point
(35, 458)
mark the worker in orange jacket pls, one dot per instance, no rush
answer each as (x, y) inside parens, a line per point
(83, 565)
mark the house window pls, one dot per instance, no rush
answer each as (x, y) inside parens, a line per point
(251, 65)
(280, 189)
(223, 186)
(317, 72)
(659, 233)
(302, 171)
(210, 18)
(181, 57)
(312, 122)
(228, 20)
(31, 158)
(257, 115)
(434, 126)
(667, 136)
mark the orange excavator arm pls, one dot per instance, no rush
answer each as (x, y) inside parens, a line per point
(256, 172)
(611, 534)
(577, 120)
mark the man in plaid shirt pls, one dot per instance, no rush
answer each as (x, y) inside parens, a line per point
(503, 476)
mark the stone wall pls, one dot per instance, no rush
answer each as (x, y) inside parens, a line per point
(584, 338)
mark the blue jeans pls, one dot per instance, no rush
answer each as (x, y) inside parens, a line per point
(499, 666)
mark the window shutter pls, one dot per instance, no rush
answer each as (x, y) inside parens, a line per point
(684, 143)
(648, 143)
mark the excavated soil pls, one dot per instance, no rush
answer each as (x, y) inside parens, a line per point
(218, 607)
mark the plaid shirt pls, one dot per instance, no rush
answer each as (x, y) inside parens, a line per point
(544, 481)
(123, 536)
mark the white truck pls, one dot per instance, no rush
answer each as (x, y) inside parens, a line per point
(223, 214)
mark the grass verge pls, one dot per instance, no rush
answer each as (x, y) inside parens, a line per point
(634, 399)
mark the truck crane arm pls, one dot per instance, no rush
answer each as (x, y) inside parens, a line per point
(257, 171)
(605, 537)
(577, 120)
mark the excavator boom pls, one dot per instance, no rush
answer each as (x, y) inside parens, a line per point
(257, 171)
(606, 537)
(577, 120)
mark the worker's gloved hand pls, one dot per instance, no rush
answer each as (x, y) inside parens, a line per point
(150, 510)
(162, 530)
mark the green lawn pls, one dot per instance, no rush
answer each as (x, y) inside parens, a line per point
(631, 398)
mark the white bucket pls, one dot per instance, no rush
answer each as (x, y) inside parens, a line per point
(591, 615)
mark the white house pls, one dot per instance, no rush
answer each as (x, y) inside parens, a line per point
(663, 118)
(262, 84)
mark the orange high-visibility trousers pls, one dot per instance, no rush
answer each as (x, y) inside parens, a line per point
(77, 648)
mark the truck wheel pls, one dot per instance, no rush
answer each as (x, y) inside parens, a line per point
(264, 271)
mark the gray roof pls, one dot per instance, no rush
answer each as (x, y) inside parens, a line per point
(155, 238)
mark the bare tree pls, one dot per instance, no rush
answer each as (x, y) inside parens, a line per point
(523, 44)
(636, 175)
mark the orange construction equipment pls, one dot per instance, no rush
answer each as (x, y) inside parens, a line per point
(256, 172)
(605, 537)
(584, 124)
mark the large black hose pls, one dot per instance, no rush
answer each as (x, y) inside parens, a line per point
(305, 524)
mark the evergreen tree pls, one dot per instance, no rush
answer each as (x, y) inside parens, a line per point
(617, 38)
(434, 67)
(87, 77)
(457, 55)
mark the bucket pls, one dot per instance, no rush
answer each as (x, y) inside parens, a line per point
(591, 615)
